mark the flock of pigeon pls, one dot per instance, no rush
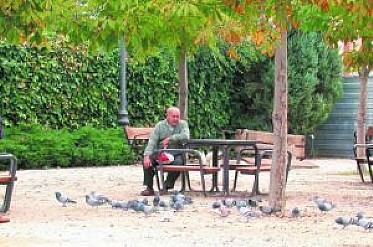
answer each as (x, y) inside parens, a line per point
(250, 207)
(176, 202)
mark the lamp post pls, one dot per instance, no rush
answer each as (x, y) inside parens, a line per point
(123, 113)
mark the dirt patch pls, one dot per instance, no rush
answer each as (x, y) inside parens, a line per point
(37, 219)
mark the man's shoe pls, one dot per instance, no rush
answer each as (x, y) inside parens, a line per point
(4, 219)
(147, 192)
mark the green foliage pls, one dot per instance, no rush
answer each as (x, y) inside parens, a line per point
(62, 88)
(248, 96)
(36, 146)
(210, 82)
(71, 89)
(314, 79)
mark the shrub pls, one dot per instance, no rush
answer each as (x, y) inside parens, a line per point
(36, 146)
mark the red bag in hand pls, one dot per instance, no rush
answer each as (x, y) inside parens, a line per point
(165, 158)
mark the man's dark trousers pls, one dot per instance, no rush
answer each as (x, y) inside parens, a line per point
(171, 176)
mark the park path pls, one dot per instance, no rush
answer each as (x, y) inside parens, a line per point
(38, 220)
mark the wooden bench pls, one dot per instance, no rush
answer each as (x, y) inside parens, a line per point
(362, 160)
(137, 139)
(8, 178)
(203, 169)
(296, 143)
(361, 152)
(253, 167)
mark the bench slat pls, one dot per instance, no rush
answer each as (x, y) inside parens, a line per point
(253, 169)
(187, 168)
(138, 133)
(7, 179)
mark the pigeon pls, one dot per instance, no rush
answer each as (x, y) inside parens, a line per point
(248, 213)
(147, 210)
(119, 204)
(346, 221)
(178, 205)
(156, 200)
(99, 197)
(254, 201)
(216, 204)
(224, 211)
(95, 201)
(132, 204)
(188, 200)
(295, 212)
(361, 220)
(139, 206)
(368, 225)
(163, 204)
(229, 202)
(63, 199)
(144, 201)
(364, 222)
(268, 210)
(323, 204)
(241, 203)
(177, 197)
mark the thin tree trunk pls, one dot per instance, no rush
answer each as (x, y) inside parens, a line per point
(363, 82)
(183, 85)
(280, 126)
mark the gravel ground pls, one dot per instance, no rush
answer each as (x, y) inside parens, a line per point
(37, 219)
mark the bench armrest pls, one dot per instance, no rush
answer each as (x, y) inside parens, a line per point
(12, 167)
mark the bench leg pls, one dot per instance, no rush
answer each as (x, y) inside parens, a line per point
(188, 181)
(235, 181)
(157, 180)
(7, 198)
(360, 171)
(183, 181)
(203, 184)
(255, 190)
(370, 172)
(162, 189)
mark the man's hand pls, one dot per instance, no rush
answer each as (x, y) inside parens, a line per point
(166, 142)
(147, 163)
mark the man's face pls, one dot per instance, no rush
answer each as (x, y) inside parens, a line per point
(173, 117)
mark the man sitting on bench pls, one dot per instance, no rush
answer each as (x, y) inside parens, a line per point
(167, 134)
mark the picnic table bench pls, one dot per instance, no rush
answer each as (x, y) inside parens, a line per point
(363, 153)
(7, 178)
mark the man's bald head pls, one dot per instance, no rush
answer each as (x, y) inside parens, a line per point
(173, 116)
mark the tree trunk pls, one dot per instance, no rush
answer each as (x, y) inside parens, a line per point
(183, 85)
(280, 126)
(363, 82)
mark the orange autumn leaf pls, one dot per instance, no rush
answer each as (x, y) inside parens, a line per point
(289, 9)
(258, 37)
(232, 53)
(240, 9)
(232, 37)
(294, 24)
(23, 38)
(325, 5)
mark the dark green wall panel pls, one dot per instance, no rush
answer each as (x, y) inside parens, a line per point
(335, 138)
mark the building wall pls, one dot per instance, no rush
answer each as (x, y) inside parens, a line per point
(335, 137)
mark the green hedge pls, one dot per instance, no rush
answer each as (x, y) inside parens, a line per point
(36, 146)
